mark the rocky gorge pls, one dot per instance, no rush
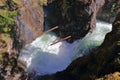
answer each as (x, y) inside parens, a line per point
(75, 18)
(104, 60)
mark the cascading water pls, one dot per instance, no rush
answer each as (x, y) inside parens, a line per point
(44, 59)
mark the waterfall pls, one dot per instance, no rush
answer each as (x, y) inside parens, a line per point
(44, 59)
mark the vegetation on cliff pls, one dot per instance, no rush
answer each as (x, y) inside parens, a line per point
(9, 69)
(102, 61)
(7, 24)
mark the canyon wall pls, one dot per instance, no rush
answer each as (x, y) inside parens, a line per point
(102, 61)
(30, 21)
(74, 17)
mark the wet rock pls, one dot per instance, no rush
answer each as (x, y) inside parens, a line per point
(98, 63)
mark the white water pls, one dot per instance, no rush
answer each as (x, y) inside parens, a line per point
(46, 59)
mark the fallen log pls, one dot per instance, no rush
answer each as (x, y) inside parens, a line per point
(60, 40)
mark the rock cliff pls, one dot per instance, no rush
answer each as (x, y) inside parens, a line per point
(75, 17)
(30, 20)
(109, 10)
(102, 61)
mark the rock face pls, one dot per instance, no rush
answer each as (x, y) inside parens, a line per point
(109, 10)
(2, 2)
(30, 21)
(102, 61)
(75, 17)
(114, 76)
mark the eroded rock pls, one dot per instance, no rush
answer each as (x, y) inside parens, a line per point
(74, 17)
(30, 21)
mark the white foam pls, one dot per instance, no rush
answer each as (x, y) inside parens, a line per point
(46, 59)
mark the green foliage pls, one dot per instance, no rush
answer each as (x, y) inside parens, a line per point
(7, 19)
(8, 15)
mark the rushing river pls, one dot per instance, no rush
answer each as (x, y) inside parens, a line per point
(44, 59)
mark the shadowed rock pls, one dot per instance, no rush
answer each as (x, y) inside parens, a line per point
(102, 61)
(74, 17)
